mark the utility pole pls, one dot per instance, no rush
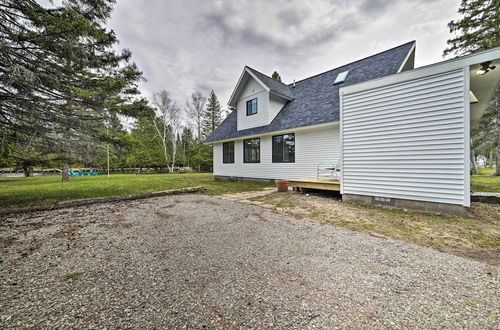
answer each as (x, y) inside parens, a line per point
(107, 145)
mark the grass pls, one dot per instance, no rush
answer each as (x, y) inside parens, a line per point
(48, 189)
(73, 276)
(485, 181)
(477, 236)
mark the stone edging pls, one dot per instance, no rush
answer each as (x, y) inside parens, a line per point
(87, 201)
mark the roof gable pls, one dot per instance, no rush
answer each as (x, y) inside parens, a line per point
(316, 99)
(269, 84)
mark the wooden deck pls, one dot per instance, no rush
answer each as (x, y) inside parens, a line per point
(314, 183)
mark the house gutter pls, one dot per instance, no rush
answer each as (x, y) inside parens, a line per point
(288, 130)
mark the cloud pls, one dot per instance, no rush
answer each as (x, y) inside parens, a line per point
(183, 45)
(282, 25)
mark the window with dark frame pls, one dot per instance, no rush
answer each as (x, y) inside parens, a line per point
(284, 148)
(251, 150)
(228, 152)
(251, 107)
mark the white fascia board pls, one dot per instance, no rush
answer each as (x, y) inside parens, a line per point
(230, 103)
(258, 80)
(281, 95)
(235, 93)
(456, 63)
(288, 130)
(407, 57)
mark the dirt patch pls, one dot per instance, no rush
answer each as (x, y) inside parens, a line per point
(204, 202)
(117, 220)
(164, 215)
(476, 237)
(5, 242)
(67, 233)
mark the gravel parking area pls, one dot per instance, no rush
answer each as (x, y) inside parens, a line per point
(198, 261)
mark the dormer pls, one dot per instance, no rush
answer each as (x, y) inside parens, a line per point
(258, 99)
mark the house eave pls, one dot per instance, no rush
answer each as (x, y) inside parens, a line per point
(282, 96)
(416, 73)
(283, 131)
(233, 100)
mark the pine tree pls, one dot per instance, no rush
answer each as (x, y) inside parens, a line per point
(478, 28)
(212, 116)
(61, 76)
(276, 76)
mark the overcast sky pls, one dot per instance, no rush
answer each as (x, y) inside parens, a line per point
(183, 45)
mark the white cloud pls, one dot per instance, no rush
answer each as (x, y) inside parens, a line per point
(182, 45)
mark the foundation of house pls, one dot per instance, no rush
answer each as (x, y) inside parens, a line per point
(430, 207)
(244, 179)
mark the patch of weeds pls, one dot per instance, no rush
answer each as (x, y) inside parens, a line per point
(73, 276)
(285, 204)
(470, 303)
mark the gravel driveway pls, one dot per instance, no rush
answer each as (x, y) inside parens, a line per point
(197, 261)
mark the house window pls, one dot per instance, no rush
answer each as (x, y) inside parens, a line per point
(251, 151)
(284, 148)
(251, 107)
(228, 152)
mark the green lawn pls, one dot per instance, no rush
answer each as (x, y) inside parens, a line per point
(485, 181)
(36, 190)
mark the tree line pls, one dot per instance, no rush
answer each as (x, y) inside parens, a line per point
(476, 30)
(167, 136)
(65, 92)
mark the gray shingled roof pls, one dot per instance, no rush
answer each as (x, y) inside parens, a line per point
(316, 99)
(274, 85)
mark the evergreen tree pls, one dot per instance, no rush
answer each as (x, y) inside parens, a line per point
(186, 147)
(276, 76)
(202, 159)
(212, 116)
(61, 77)
(478, 28)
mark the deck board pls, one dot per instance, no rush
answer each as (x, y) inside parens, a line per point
(315, 183)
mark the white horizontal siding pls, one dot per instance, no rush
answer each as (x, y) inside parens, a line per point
(407, 140)
(251, 91)
(275, 105)
(311, 148)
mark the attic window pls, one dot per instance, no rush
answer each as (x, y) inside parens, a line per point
(341, 77)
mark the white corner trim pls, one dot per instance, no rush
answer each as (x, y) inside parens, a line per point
(466, 77)
(341, 139)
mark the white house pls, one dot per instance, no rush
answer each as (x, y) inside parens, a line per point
(401, 135)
